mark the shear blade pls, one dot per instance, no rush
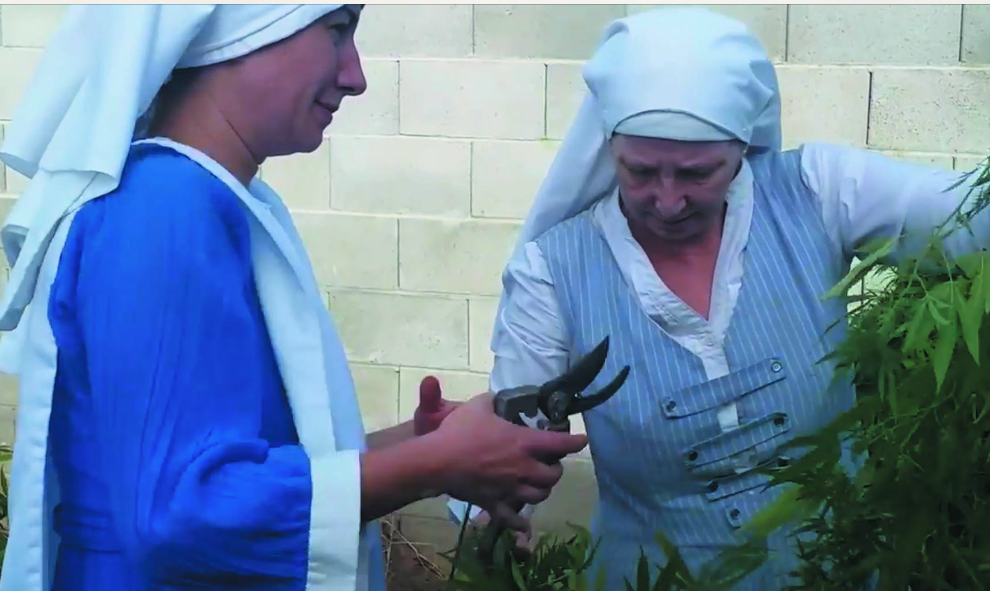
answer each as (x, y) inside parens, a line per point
(582, 373)
(580, 404)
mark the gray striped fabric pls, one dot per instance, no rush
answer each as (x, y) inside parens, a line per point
(662, 461)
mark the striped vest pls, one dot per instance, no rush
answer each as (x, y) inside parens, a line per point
(662, 461)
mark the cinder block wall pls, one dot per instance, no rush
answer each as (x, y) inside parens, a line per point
(412, 204)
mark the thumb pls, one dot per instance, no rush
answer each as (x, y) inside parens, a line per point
(430, 396)
(550, 443)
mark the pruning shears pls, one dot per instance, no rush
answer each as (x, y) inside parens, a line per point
(548, 408)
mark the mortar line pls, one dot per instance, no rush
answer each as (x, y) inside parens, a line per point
(787, 32)
(962, 28)
(869, 108)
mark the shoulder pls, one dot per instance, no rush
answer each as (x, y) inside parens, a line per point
(164, 199)
(576, 224)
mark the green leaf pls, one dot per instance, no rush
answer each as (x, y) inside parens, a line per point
(517, 576)
(665, 581)
(860, 270)
(642, 572)
(919, 328)
(970, 317)
(944, 348)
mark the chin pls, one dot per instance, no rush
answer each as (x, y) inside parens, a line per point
(310, 143)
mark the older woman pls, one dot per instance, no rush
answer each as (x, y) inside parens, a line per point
(672, 222)
(187, 419)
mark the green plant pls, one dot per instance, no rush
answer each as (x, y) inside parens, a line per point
(917, 514)
(555, 564)
(6, 452)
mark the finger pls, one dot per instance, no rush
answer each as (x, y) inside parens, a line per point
(543, 475)
(551, 444)
(504, 515)
(524, 546)
(430, 396)
(531, 495)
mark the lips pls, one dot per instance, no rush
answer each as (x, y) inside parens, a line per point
(330, 108)
(676, 221)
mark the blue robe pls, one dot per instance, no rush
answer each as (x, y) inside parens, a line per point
(171, 435)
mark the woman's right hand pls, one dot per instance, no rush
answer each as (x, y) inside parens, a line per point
(498, 466)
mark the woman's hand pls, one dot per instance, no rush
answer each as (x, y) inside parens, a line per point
(498, 466)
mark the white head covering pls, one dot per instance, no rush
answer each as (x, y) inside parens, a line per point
(100, 73)
(686, 74)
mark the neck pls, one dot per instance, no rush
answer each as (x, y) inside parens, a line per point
(196, 121)
(703, 245)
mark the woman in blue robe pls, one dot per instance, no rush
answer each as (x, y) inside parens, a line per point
(186, 416)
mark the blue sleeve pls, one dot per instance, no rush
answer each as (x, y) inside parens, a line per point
(163, 312)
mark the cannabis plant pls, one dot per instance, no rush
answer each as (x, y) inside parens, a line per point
(556, 564)
(917, 514)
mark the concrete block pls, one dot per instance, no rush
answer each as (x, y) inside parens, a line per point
(415, 30)
(456, 257)
(455, 385)
(16, 183)
(505, 176)
(378, 395)
(6, 204)
(825, 104)
(943, 110)
(853, 34)
(548, 31)
(351, 250)
(394, 329)
(8, 418)
(431, 536)
(30, 25)
(481, 313)
(401, 175)
(302, 180)
(939, 160)
(968, 162)
(16, 69)
(573, 500)
(976, 34)
(472, 98)
(434, 507)
(565, 92)
(767, 21)
(3, 167)
(8, 383)
(377, 110)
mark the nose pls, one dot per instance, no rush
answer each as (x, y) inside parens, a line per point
(668, 198)
(351, 75)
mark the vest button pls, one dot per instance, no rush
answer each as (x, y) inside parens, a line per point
(713, 486)
(671, 405)
(776, 366)
(692, 455)
(779, 421)
(734, 514)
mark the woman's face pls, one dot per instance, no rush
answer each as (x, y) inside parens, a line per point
(674, 190)
(280, 99)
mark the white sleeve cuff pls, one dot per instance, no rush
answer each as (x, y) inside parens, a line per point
(335, 522)
(457, 508)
